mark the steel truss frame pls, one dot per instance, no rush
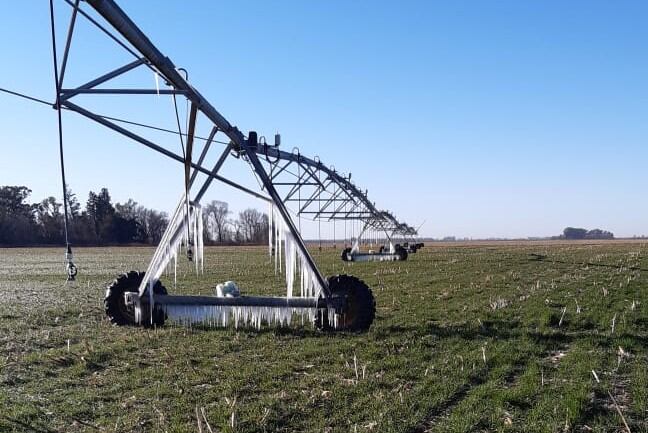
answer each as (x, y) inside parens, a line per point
(319, 192)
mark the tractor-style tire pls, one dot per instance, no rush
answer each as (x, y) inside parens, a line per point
(115, 305)
(360, 310)
(402, 253)
(345, 255)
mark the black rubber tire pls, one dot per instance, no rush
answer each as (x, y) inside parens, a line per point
(402, 253)
(360, 308)
(116, 309)
(345, 254)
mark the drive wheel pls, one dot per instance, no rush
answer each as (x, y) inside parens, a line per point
(118, 312)
(360, 309)
(402, 253)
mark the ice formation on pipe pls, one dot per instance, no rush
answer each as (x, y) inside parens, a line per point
(295, 262)
(223, 316)
(198, 241)
(184, 228)
(270, 212)
(180, 230)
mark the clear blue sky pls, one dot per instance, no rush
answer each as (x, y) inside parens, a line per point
(484, 118)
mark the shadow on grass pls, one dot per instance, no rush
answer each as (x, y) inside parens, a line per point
(446, 406)
(533, 257)
(26, 426)
(549, 338)
(489, 328)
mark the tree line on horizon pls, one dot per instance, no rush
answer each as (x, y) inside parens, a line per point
(101, 222)
(576, 233)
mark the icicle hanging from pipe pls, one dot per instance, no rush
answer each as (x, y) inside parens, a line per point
(280, 232)
(195, 216)
(194, 238)
(157, 83)
(276, 240)
(291, 262)
(276, 246)
(292, 259)
(216, 315)
(175, 269)
(200, 249)
(270, 218)
(172, 239)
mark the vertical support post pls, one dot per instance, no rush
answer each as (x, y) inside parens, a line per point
(190, 141)
(188, 160)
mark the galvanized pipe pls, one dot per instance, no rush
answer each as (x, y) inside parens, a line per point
(248, 301)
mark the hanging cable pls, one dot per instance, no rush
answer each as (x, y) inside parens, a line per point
(319, 200)
(184, 156)
(69, 259)
(334, 220)
(114, 119)
(299, 187)
(22, 95)
(345, 224)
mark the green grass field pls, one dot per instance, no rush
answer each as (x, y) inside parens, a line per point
(467, 338)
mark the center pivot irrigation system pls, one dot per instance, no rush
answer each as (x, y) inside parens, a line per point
(309, 187)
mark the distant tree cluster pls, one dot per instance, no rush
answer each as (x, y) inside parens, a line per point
(251, 226)
(102, 223)
(573, 233)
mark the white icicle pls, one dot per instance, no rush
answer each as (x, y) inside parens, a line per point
(289, 266)
(157, 83)
(276, 241)
(213, 315)
(170, 242)
(301, 279)
(175, 269)
(293, 261)
(280, 232)
(276, 251)
(291, 258)
(200, 249)
(270, 215)
(194, 241)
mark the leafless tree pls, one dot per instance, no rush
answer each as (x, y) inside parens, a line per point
(215, 214)
(253, 226)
